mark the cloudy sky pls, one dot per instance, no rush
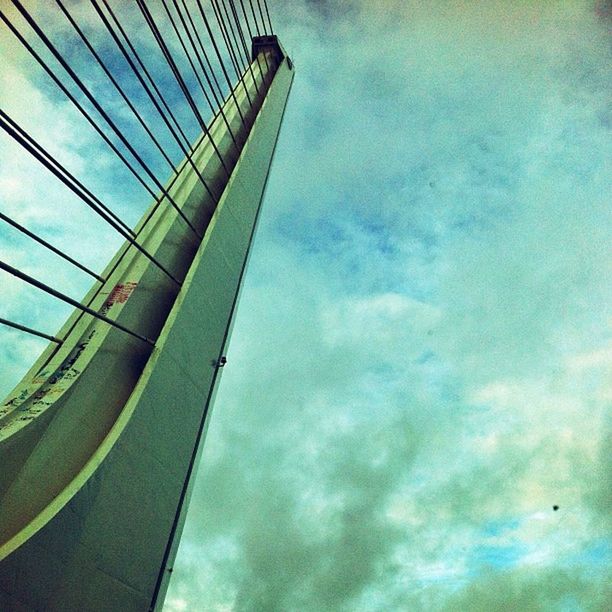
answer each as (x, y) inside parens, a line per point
(421, 363)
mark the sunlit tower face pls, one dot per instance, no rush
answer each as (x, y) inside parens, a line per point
(100, 440)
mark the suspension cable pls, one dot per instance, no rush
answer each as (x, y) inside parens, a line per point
(236, 58)
(248, 24)
(203, 49)
(229, 28)
(258, 30)
(220, 58)
(29, 330)
(142, 66)
(186, 152)
(204, 71)
(242, 40)
(77, 104)
(263, 23)
(114, 82)
(65, 298)
(102, 112)
(226, 37)
(166, 52)
(255, 18)
(268, 15)
(49, 246)
(47, 160)
(186, 53)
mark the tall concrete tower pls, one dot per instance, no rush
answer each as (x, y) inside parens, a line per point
(100, 441)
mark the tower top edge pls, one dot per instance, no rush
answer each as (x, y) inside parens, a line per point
(269, 42)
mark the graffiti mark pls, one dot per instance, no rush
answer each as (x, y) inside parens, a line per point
(40, 378)
(41, 399)
(121, 293)
(18, 399)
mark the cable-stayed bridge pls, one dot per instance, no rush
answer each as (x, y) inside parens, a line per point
(100, 439)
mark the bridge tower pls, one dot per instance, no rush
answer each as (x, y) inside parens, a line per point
(100, 441)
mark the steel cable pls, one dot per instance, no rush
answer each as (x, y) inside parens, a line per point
(138, 59)
(258, 30)
(115, 83)
(29, 330)
(102, 112)
(166, 52)
(230, 47)
(203, 68)
(49, 246)
(188, 153)
(248, 24)
(55, 167)
(203, 50)
(242, 40)
(255, 18)
(220, 58)
(263, 22)
(268, 15)
(65, 298)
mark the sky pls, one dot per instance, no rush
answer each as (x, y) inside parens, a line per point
(420, 367)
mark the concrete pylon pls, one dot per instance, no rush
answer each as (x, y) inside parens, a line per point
(100, 441)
